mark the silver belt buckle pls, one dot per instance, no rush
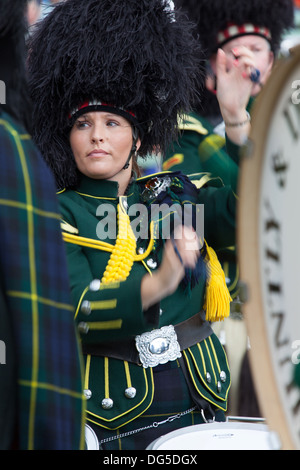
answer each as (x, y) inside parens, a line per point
(158, 346)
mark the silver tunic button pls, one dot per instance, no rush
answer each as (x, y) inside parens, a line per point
(151, 263)
(130, 392)
(223, 376)
(87, 393)
(95, 285)
(107, 403)
(208, 377)
(219, 386)
(83, 327)
(141, 251)
(86, 307)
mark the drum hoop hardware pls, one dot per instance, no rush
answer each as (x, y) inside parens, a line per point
(155, 424)
(205, 419)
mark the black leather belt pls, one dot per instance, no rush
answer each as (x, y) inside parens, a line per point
(189, 332)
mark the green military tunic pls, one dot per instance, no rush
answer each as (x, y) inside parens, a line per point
(113, 312)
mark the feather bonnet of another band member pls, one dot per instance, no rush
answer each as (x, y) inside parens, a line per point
(213, 19)
(135, 55)
(12, 64)
(214, 16)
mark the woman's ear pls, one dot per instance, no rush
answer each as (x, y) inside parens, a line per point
(138, 143)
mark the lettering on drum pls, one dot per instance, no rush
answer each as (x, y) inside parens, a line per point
(279, 252)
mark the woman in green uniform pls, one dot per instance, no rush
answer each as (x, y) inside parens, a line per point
(108, 80)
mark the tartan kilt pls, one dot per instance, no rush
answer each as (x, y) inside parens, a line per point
(171, 397)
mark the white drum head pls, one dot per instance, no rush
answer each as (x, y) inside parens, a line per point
(91, 440)
(219, 436)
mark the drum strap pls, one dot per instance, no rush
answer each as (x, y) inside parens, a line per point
(203, 405)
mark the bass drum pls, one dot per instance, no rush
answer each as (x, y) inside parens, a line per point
(269, 249)
(91, 440)
(219, 436)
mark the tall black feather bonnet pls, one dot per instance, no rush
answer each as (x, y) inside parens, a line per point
(135, 55)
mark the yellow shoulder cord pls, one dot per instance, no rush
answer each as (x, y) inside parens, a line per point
(122, 256)
(124, 252)
(217, 296)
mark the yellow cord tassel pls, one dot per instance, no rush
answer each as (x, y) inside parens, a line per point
(217, 299)
(123, 253)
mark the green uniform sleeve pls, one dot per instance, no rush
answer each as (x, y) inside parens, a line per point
(233, 150)
(199, 149)
(219, 216)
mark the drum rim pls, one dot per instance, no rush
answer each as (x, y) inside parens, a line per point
(250, 181)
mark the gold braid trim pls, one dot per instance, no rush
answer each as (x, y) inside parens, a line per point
(103, 246)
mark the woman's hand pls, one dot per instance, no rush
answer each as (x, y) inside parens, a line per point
(166, 279)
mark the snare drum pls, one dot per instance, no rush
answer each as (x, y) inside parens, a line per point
(91, 440)
(219, 436)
